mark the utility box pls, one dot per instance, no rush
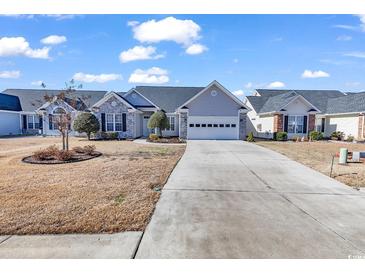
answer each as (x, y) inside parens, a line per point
(343, 156)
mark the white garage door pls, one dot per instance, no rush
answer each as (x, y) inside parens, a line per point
(213, 127)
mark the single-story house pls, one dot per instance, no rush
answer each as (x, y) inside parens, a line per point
(299, 112)
(210, 112)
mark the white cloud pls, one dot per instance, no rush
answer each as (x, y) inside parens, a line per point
(54, 40)
(132, 23)
(14, 46)
(98, 78)
(353, 84)
(183, 32)
(276, 84)
(139, 53)
(362, 20)
(344, 38)
(196, 49)
(249, 85)
(235, 60)
(347, 27)
(238, 93)
(36, 83)
(315, 74)
(60, 17)
(154, 75)
(10, 74)
(357, 54)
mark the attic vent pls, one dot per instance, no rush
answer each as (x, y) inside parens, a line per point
(283, 109)
(114, 104)
(213, 93)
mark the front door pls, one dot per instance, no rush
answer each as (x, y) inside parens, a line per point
(146, 130)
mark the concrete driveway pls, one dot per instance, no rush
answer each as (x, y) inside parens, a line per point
(232, 199)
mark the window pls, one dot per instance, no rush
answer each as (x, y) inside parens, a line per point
(172, 123)
(221, 125)
(204, 125)
(110, 122)
(191, 125)
(32, 122)
(197, 125)
(259, 127)
(228, 125)
(215, 125)
(233, 125)
(295, 124)
(209, 125)
(56, 117)
(118, 122)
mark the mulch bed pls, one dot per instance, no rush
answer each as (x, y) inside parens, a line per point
(165, 140)
(78, 157)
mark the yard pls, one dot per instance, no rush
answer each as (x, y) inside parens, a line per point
(114, 192)
(318, 155)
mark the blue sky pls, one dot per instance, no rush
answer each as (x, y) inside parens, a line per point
(243, 52)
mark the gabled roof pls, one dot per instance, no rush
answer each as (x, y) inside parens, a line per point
(272, 99)
(166, 97)
(32, 99)
(354, 102)
(9, 102)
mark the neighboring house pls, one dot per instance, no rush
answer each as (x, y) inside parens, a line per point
(210, 112)
(9, 115)
(299, 112)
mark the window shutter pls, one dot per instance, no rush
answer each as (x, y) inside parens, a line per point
(25, 125)
(305, 124)
(286, 123)
(124, 122)
(50, 122)
(103, 122)
(323, 124)
(40, 122)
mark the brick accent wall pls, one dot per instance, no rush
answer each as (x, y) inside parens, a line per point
(361, 128)
(278, 123)
(311, 122)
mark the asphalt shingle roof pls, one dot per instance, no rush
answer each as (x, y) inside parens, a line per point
(9, 102)
(168, 98)
(272, 100)
(354, 102)
(32, 99)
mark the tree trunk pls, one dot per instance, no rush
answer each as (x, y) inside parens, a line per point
(63, 141)
(67, 139)
(88, 135)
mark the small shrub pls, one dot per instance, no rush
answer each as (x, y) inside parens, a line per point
(45, 154)
(250, 137)
(281, 136)
(350, 138)
(64, 155)
(153, 137)
(337, 135)
(112, 135)
(316, 135)
(88, 150)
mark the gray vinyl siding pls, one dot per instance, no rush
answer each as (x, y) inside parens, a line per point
(208, 105)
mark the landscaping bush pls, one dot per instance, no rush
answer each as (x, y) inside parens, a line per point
(316, 135)
(158, 121)
(45, 154)
(64, 155)
(281, 136)
(153, 137)
(337, 135)
(88, 150)
(250, 137)
(350, 138)
(112, 135)
(86, 122)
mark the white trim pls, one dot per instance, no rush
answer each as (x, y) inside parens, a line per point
(55, 99)
(144, 97)
(108, 96)
(226, 91)
(305, 100)
(345, 113)
(148, 109)
(10, 111)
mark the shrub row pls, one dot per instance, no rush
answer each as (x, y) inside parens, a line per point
(52, 152)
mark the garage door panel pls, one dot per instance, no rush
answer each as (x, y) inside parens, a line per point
(213, 127)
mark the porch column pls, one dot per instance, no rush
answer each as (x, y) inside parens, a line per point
(278, 122)
(311, 122)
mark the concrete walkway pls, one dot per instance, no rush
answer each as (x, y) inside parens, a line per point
(70, 246)
(231, 199)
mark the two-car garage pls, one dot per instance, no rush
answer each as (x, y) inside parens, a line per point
(213, 127)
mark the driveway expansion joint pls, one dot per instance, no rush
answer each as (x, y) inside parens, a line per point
(7, 238)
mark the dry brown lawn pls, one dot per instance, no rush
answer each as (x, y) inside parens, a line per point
(114, 192)
(318, 155)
